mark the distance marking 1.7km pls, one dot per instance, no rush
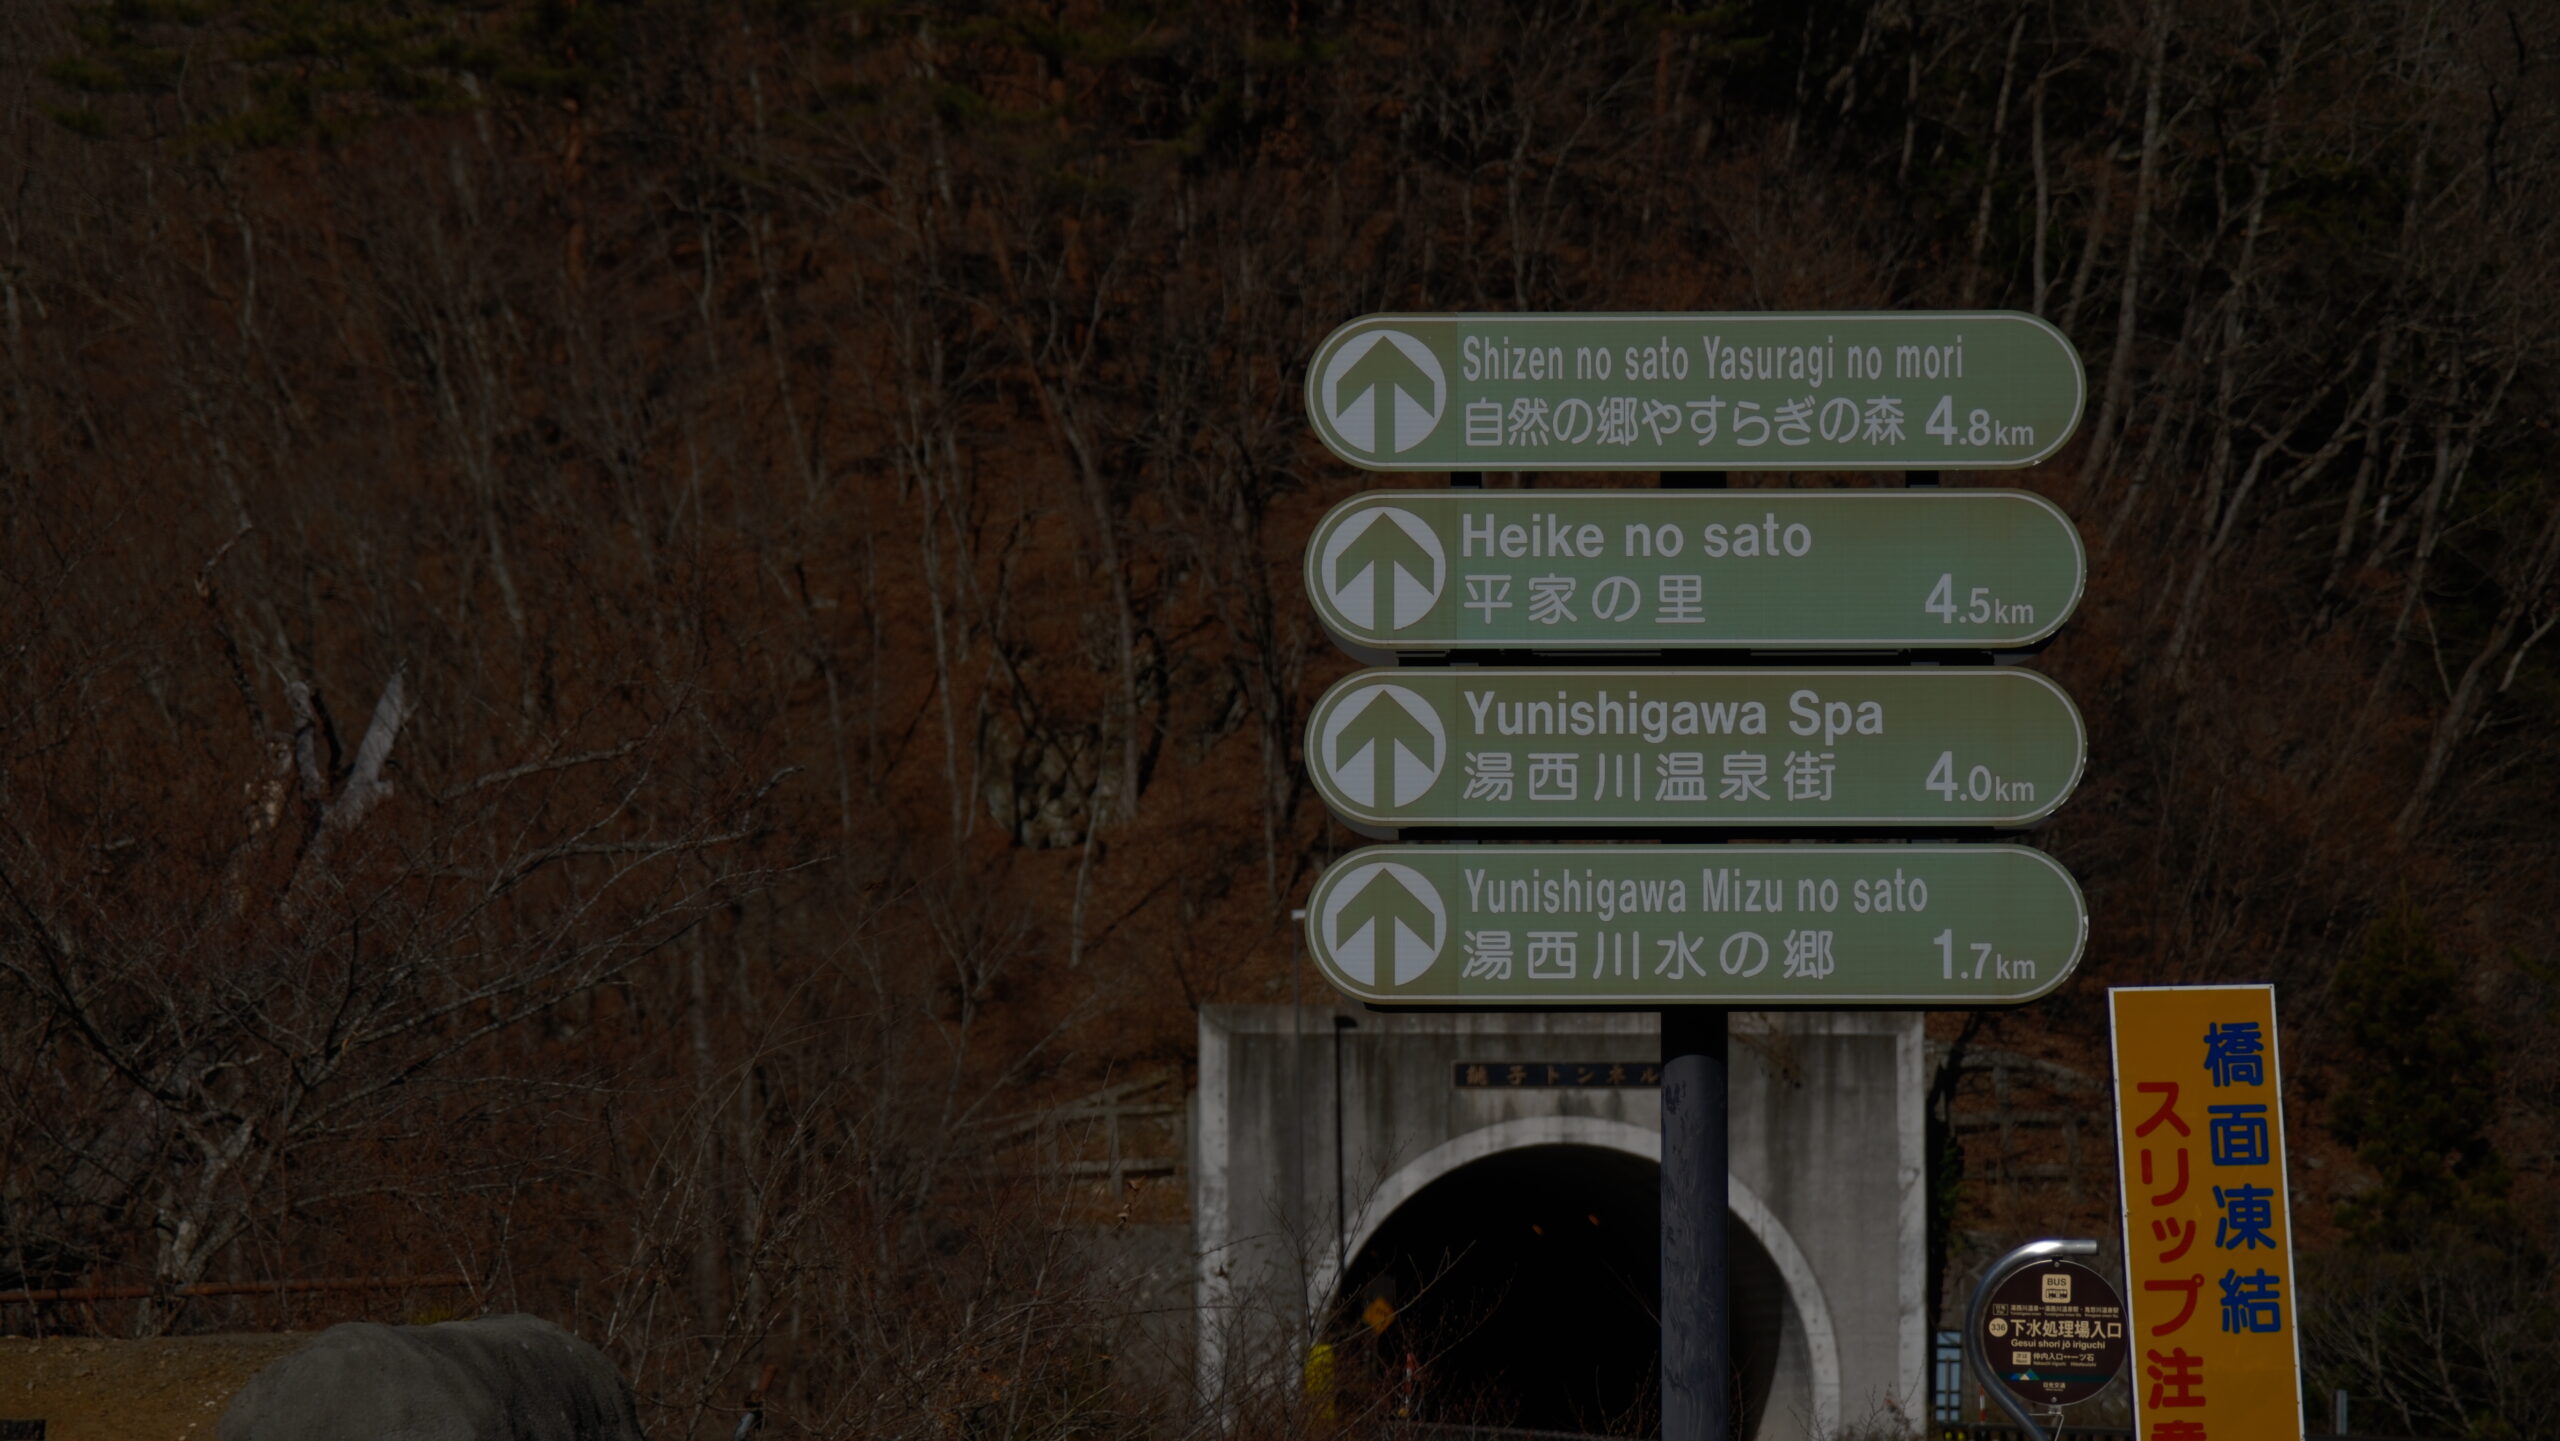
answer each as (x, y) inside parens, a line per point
(1806, 390)
(1783, 570)
(1794, 747)
(1637, 926)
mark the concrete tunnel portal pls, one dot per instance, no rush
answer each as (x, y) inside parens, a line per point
(1523, 1290)
(1514, 1227)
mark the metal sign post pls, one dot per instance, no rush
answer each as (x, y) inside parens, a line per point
(1697, 1318)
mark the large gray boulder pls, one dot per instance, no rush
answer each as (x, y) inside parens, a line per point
(498, 1378)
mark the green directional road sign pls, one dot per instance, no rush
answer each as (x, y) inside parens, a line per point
(1553, 927)
(1585, 570)
(1565, 748)
(1886, 390)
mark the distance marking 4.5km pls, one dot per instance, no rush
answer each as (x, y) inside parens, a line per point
(1566, 571)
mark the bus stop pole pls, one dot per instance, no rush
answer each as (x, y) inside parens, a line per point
(1999, 1271)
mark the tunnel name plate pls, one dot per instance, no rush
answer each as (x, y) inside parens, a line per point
(1968, 746)
(1580, 571)
(1555, 1075)
(1641, 926)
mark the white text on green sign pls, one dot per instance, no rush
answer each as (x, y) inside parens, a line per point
(1564, 570)
(1838, 746)
(1638, 925)
(1891, 390)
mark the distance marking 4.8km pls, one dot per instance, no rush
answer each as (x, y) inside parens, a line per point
(1804, 390)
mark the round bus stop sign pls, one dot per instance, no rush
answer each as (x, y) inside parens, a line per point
(2054, 1333)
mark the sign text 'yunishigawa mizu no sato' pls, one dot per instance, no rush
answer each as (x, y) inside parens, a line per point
(1557, 927)
(1562, 570)
(1568, 748)
(1886, 390)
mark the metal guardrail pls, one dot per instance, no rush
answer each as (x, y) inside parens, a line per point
(1061, 1140)
(232, 1288)
(1461, 1431)
(2004, 1431)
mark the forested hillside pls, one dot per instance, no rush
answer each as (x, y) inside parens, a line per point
(627, 625)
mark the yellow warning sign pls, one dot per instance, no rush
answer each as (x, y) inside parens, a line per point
(1378, 1315)
(2208, 1237)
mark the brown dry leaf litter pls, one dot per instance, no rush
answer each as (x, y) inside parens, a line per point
(171, 1389)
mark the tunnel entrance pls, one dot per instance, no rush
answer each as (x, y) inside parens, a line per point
(1524, 1290)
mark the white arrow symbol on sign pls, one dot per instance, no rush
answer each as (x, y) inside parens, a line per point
(1385, 370)
(1391, 545)
(1389, 730)
(1389, 906)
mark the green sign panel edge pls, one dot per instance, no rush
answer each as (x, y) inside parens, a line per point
(1372, 994)
(1317, 365)
(1369, 821)
(1365, 646)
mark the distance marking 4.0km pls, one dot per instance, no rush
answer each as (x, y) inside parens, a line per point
(1557, 749)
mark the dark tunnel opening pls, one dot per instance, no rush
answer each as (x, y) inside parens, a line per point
(1524, 1290)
